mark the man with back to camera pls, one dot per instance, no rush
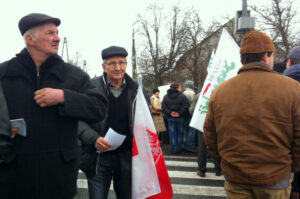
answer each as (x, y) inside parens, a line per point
(293, 71)
(101, 168)
(252, 127)
(51, 96)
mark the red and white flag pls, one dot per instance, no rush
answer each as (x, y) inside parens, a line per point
(150, 177)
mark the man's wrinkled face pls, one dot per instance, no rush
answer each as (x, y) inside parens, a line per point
(115, 67)
(46, 39)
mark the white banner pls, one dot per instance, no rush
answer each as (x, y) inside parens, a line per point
(225, 65)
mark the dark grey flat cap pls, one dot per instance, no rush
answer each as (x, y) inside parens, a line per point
(35, 19)
(114, 51)
(294, 53)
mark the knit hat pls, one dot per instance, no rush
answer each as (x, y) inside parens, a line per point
(188, 84)
(294, 53)
(256, 41)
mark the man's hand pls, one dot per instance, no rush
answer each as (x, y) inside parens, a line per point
(174, 114)
(14, 132)
(49, 97)
(101, 144)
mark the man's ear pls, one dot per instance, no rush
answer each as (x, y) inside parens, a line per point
(29, 40)
(264, 58)
(103, 67)
(288, 63)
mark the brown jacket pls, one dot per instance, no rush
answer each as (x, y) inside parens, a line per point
(252, 126)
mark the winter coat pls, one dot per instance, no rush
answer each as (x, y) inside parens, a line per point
(6, 141)
(190, 94)
(252, 126)
(293, 72)
(52, 129)
(174, 101)
(194, 103)
(88, 133)
(157, 114)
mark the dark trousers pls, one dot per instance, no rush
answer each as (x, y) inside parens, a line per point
(39, 176)
(175, 132)
(114, 166)
(202, 155)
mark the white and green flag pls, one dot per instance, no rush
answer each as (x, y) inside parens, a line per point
(225, 64)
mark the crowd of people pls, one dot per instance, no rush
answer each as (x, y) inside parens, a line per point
(175, 111)
(48, 107)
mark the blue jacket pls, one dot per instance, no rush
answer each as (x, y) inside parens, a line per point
(293, 72)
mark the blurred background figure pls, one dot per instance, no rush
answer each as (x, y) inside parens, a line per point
(157, 116)
(174, 106)
(189, 133)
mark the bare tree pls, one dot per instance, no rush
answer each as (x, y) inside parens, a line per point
(160, 52)
(279, 21)
(195, 34)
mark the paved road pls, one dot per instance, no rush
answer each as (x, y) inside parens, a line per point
(185, 183)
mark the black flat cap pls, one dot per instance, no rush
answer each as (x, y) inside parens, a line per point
(114, 51)
(35, 19)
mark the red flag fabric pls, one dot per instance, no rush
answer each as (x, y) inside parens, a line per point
(150, 177)
(161, 168)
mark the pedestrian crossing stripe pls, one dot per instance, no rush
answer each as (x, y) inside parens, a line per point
(185, 189)
(177, 189)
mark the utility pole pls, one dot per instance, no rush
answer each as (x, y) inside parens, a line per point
(84, 67)
(133, 58)
(62, 53)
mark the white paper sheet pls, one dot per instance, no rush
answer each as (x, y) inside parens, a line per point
(21, 124)
(114, 138)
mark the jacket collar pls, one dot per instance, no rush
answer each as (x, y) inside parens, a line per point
(129, 81)
(52, 65)
(255, 66)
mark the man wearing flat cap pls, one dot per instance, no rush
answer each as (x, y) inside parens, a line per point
(101, 168)
(50, 96)
(252, 127)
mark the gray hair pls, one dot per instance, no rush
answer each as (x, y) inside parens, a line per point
(32, 32)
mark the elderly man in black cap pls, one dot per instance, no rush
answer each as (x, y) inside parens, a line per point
(51, 96)
(101, 168)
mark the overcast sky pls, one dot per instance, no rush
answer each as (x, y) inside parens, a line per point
(93, 25)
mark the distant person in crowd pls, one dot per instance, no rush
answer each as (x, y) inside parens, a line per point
(100, 164)
(280, 67)
(202, 148)
(50, 96)
(157, 115)
(175, 105)
(189, 133)
(252, 127)
(293, 71)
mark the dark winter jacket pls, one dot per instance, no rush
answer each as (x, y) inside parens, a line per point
(53, 128)
(293, 72)
(6, 141)
(175, 101)
(88, 133)
(50, 130)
